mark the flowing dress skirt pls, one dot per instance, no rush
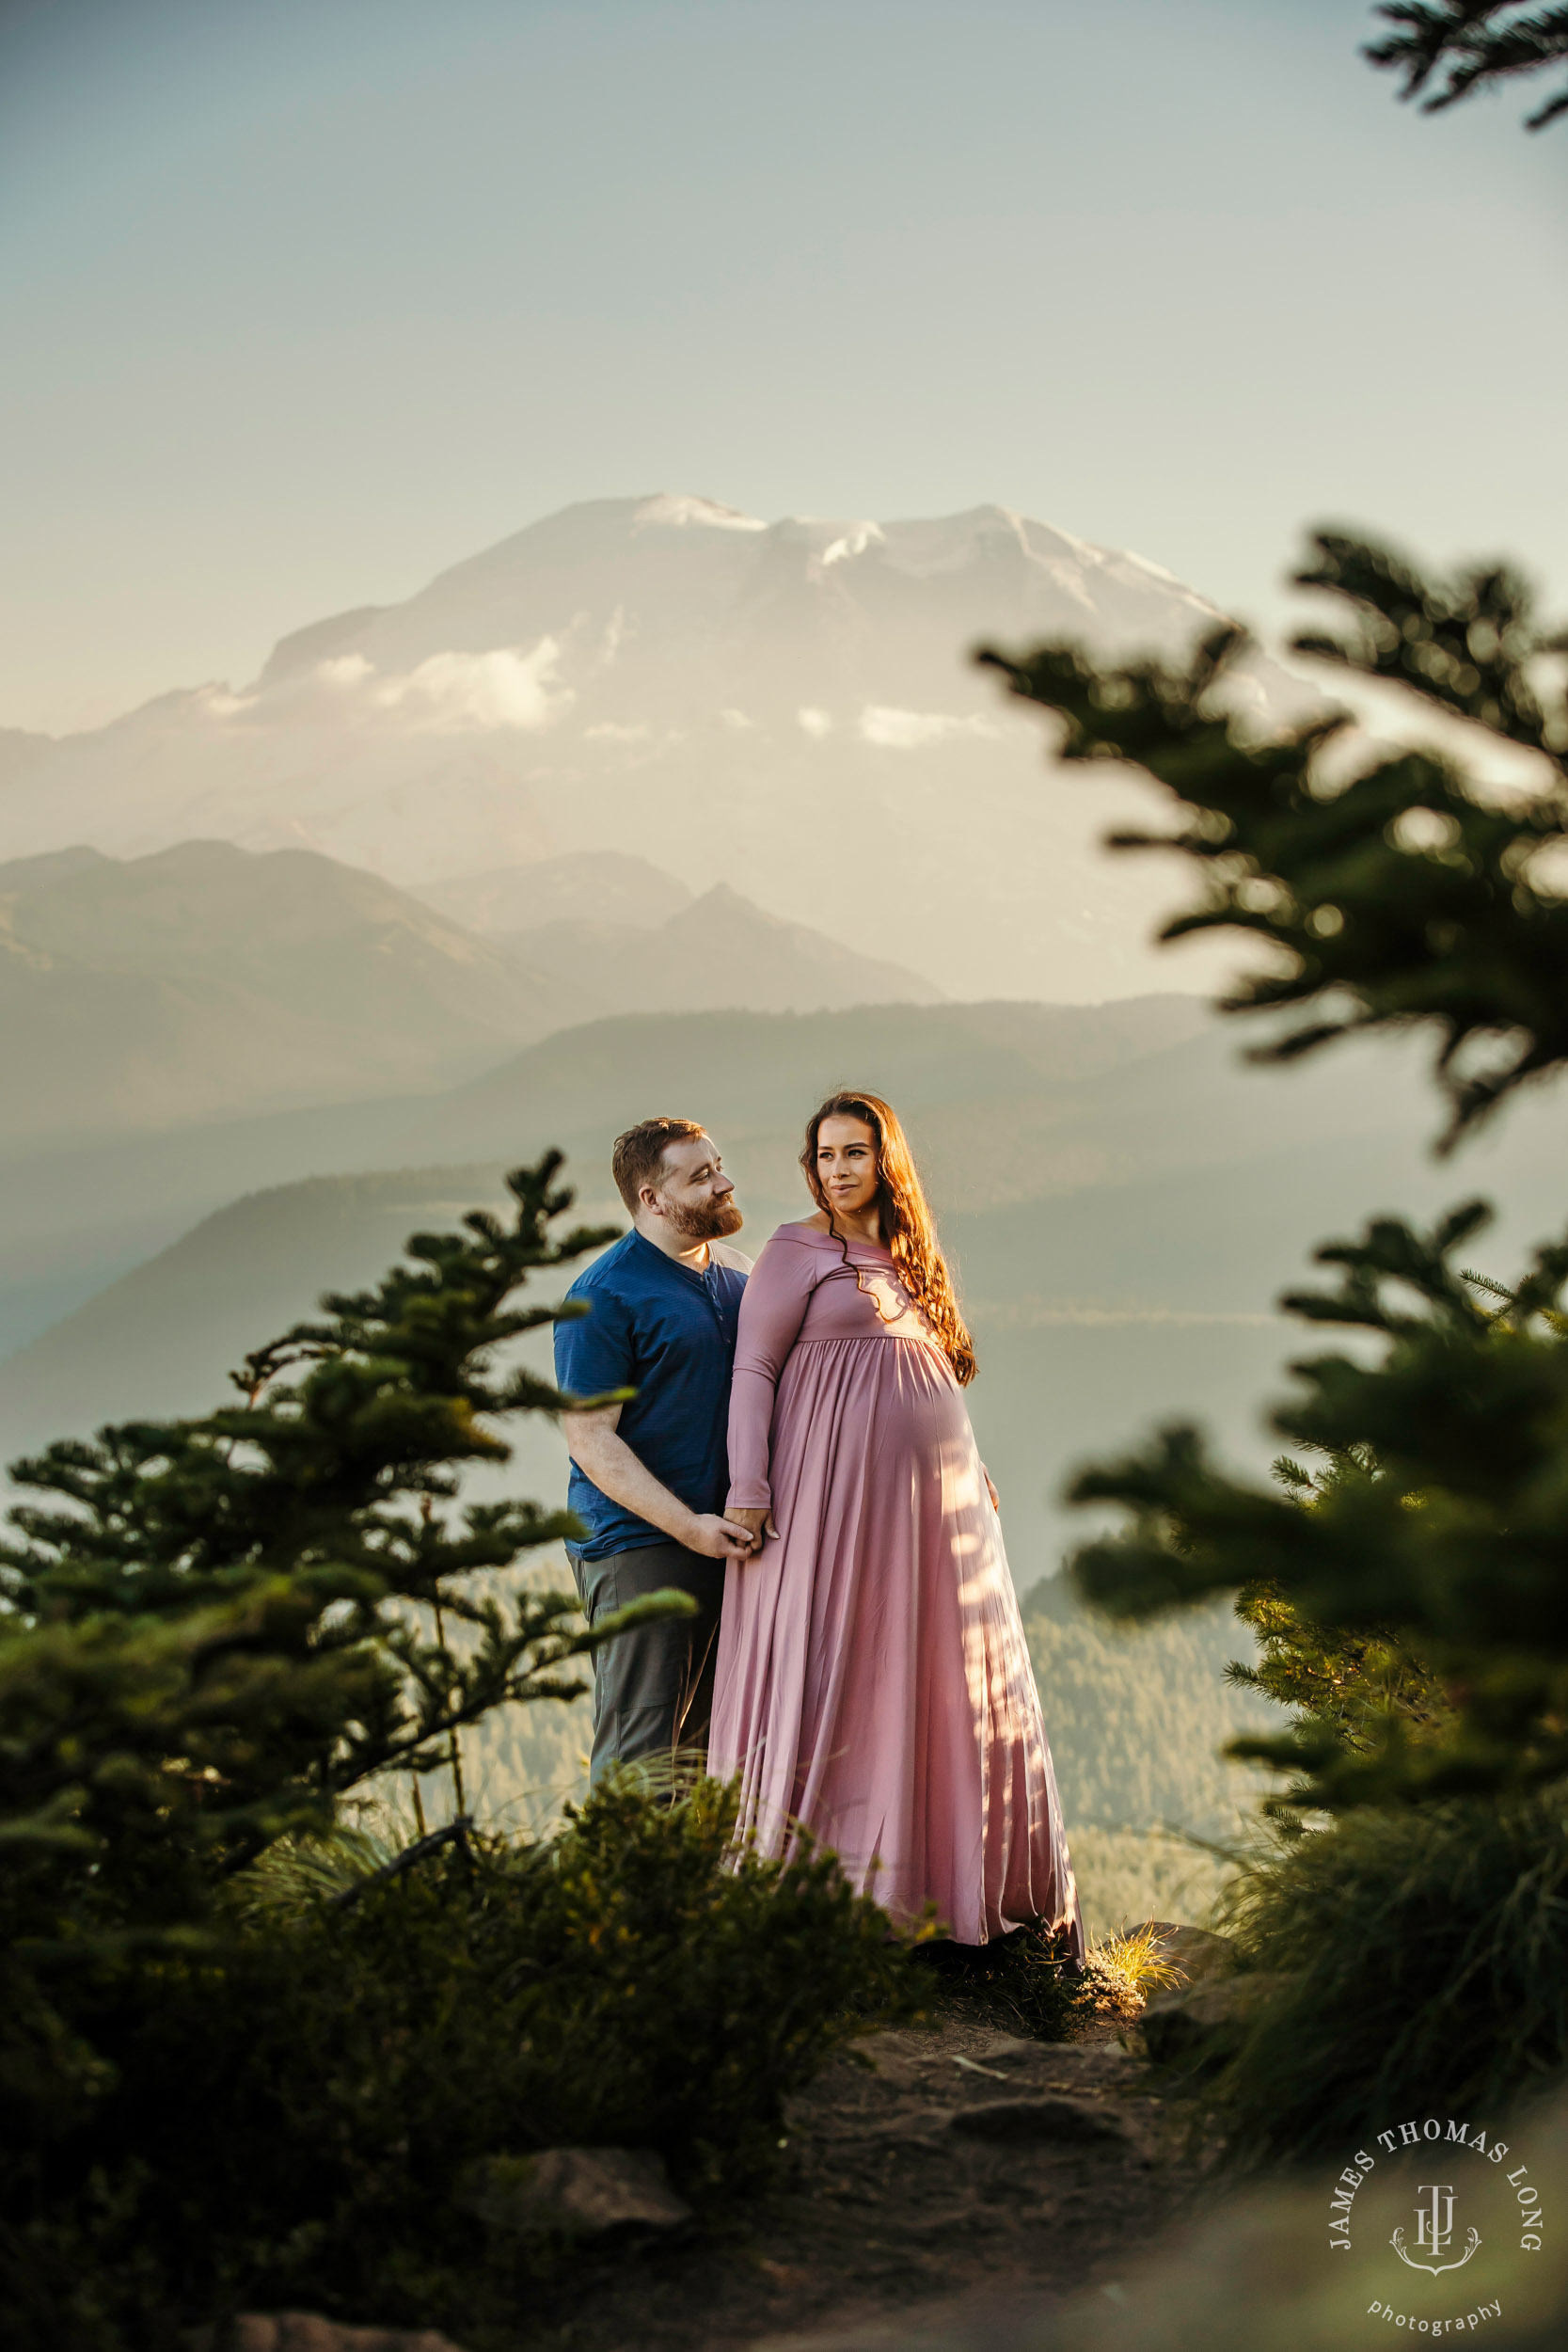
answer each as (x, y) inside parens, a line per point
(873, 1683)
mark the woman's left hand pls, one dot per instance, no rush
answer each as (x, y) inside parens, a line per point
(990, 1489)
(759, 1522)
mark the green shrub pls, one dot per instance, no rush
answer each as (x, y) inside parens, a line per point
(1028, 1973)
(1429, 1952)
(292, 2116)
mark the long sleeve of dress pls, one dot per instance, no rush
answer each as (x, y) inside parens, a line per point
(771, 1312)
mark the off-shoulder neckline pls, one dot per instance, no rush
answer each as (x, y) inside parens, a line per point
(835, 1240)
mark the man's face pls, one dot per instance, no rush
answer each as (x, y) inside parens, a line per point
(694, 1194)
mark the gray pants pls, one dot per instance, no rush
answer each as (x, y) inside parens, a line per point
(652, 1686)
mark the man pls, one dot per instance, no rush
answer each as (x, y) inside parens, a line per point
(649, 1476)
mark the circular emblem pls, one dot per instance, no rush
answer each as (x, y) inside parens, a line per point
(1433, 2220)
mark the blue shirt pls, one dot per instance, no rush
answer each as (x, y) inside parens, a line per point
(657, 1327)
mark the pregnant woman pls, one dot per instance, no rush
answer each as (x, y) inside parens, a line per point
(873, 1684)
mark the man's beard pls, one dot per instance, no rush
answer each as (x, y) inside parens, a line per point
(711, 1222)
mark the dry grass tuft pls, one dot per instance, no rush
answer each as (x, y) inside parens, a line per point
(1128, 1968)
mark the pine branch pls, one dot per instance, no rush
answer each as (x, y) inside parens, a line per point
(1478, 45)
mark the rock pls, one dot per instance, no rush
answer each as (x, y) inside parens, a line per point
(1198, 1954)
(1072, 2066)
(1081, 2063)
(307, 2331)
(1206, 2023)
(583, 2191)
(896, 2048)
(1008, 2046)
(1042, 2117)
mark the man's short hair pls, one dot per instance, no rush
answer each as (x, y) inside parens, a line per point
(639, 1155)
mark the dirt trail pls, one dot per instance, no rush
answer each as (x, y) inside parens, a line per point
(940, 2162)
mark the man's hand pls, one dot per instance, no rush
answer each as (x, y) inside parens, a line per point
(757, 1522)
(598, 1450)
(718, 1539)
(990, 1489)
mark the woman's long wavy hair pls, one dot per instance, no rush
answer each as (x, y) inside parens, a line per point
(908, 1226)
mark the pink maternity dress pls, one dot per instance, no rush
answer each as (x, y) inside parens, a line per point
(872, 1680)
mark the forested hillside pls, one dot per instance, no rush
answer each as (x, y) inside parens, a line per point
(1136, 1714)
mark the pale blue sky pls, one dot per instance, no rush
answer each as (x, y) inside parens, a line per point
(305, 299)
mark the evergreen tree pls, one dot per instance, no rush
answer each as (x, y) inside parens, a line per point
(212, 1629)
(1407, 897)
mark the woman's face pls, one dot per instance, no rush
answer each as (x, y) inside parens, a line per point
(846, 1163)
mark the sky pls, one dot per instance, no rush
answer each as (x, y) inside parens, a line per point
(305, 299)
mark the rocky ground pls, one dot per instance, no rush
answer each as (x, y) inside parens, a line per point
(937, 2179)
(933, 2163)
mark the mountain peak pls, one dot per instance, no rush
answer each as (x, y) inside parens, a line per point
(682, 510)
(49, 867)
(793, 700)
(721, 899)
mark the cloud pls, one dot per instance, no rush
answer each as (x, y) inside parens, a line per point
(817, 723)
(345, 669)
(615, 633)
(854, 543)
(505, 690)
(217, 701)
(611, 731)
(911, 730)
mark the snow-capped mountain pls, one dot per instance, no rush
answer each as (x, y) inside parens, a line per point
(789, 709)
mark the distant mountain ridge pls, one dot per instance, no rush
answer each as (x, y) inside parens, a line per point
(204, 981)
(637, 940)
(721, 949)
(794, 703)
(584, 886)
